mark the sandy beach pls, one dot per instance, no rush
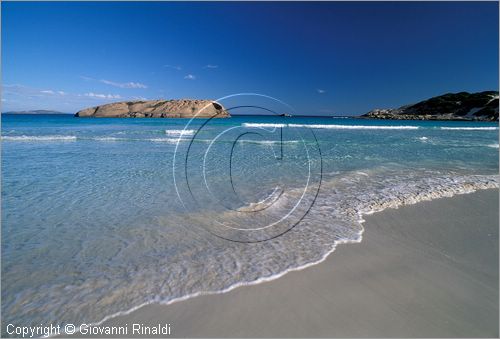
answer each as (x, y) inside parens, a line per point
(425, 270)
(249, 169)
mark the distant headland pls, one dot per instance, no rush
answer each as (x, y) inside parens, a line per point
(184, 108)
(481, 106)
(37, 111)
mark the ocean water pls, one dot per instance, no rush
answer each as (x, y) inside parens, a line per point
(101, 216)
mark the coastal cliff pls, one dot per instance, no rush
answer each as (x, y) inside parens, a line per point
(184, 108)
(481, 106)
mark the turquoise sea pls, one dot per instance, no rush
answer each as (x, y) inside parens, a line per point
(101, 216)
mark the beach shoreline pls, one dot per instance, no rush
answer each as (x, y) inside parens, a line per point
(410, 276)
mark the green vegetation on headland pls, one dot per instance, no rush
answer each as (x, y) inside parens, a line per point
(481, 106)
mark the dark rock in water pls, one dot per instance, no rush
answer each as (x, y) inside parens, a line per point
(184, 108)
(482, 106)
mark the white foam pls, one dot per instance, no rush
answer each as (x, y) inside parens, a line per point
(469, 128)
(493, 145)
(40, 138)
(251, 124)
(451, 188)
(268, 142)
(423, 138)
(354, 126)
(108, 139)
(331, 126)
(362, 127)
(180, 132)
(229, 288)
(168, 140)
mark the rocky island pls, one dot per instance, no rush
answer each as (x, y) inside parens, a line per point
(184, 108)
(481, 106)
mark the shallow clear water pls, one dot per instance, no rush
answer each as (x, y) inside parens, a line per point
(103, 215)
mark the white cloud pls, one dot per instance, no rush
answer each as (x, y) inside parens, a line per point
(178, 68)
(123, 84)
(102, 96)
(130, 84)
(212, 66)
(321, 91)
(22, 91)
(18, 97)
(86, 78)
(190, 77)
(51, 92)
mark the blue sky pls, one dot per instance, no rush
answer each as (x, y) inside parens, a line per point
(323, 58)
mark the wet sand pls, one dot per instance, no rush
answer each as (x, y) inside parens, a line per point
(426, 270)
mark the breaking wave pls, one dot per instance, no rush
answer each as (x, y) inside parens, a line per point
(329, 126)
(469, 128)
(40, 138)
(180, 132)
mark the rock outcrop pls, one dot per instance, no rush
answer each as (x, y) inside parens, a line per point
(184, 108)
(482, 106)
